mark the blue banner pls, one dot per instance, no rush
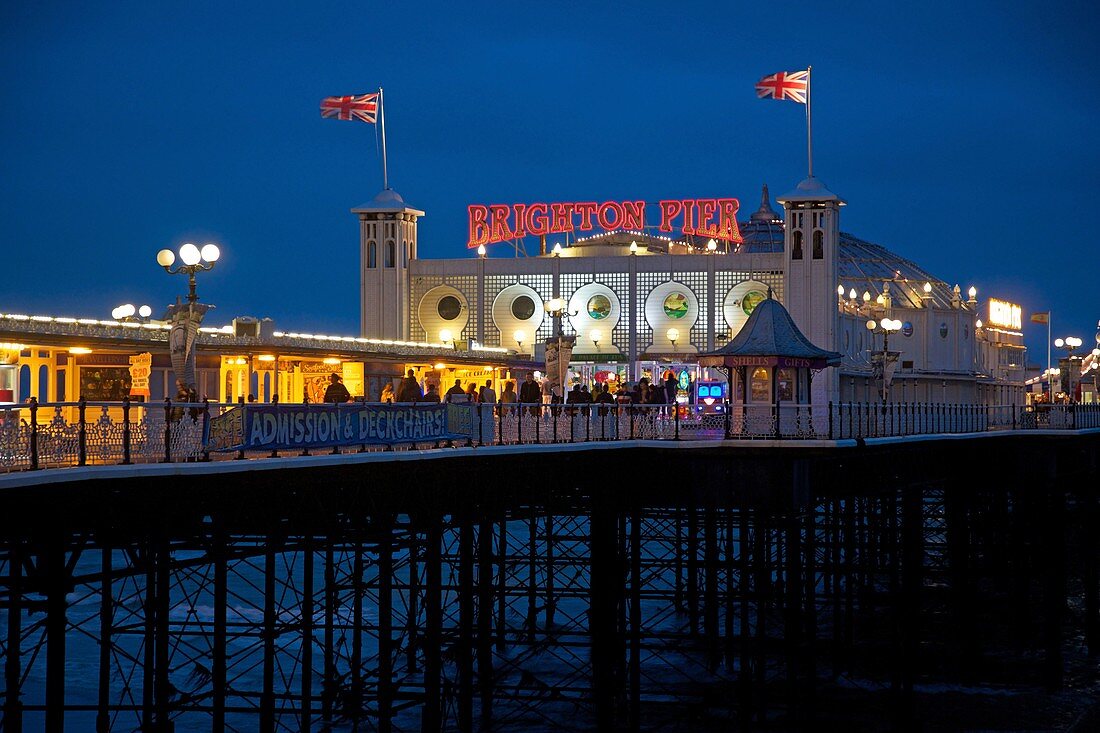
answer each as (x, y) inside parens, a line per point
(275, 427)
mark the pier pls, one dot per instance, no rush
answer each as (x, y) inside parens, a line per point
(636, 585)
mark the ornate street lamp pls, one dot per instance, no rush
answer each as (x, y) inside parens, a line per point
(886, 327)
(1069, 343)
(193, 259)
(556, 308)
(186, 319)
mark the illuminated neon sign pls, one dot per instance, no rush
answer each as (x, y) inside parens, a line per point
(710, 218)
(1002, 313)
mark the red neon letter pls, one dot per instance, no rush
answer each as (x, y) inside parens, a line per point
(499, 222)
(727, 220)
(669, 210)
(586, 210)
(479, 230)
(520, 220)
(689, 216)
(634, 215)
(535, 220)
(706, 211)
(561, 218)
(602, 215)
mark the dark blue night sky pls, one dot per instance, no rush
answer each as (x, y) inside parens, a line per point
(963, 136)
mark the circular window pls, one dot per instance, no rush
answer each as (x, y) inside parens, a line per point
(523, 307)
(448, 308)
(907, 329)
(752, 299)
(599, 307)
(676, 305)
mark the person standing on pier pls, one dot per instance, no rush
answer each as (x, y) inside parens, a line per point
(456, 393)
(531, 394)
(336, 391)
(387, 393)
(409, 391)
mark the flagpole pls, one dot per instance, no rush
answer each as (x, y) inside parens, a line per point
(1050, 375)
(382, 113)
(809, 125)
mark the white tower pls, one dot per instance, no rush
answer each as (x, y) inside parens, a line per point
(810, 276)
(387, 243)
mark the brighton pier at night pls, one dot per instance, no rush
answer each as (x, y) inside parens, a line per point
(588, 428)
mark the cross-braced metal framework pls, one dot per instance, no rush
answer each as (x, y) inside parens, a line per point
(514, 607)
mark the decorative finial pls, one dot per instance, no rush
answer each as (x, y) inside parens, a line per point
(765, 212)
(769, 287)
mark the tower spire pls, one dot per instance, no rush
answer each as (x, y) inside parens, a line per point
(765, 212)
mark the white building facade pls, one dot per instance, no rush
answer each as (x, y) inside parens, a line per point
(638, 301)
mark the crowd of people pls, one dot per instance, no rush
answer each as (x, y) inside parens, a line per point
(535, 392)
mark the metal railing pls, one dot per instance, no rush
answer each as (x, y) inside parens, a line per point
(64, 434)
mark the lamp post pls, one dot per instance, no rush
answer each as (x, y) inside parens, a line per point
(556, 308)
(193, 259)
(186, 319)
(1069, 343)
(886, 327)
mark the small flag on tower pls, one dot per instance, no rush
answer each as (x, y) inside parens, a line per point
(790, 85)
(364, 107)
(1040, 317)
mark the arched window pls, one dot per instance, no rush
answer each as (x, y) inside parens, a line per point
(405, 260)
(43, 383)
(390, 253)
(796, 246)
(818, 253)
(372, 255)
(24, 382)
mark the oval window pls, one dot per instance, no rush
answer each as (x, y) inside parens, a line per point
(523, 307)
(752, 299)
(599, 307)
(943, 330)
(676, 305)
(448, 308)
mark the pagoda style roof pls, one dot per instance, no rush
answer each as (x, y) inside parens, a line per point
(770, 337)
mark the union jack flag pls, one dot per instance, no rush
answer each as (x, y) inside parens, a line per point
(363, 107)
(784, 85)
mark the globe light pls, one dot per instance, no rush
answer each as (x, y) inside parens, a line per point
(445, 335)
(210, 253)
(165, 258)
(978, 323)
(555, 305)
(145, 311)
(595, 334)
(712, 245)
(520, 337)
(633, 248)
(190, 255)
(481, 250)
(127, 310)
(557, 249)
(672, 334)
(871, 325)
(1059, 343)
(116, 313)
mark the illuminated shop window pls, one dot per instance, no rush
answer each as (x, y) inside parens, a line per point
(759, 385)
